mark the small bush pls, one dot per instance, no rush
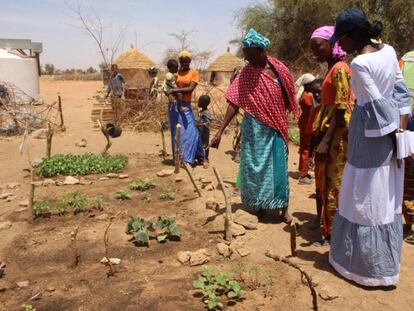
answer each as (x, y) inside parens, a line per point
(41, 208)
(142, 184)
(123, 195)
(75, 200)
(167, 195)
(69, 164)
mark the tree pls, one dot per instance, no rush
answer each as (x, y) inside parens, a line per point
(289, 23)
(91, 70)
(49, 69)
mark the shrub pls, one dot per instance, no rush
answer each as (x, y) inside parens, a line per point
(41, 208)
(123, 195)
(167, 195)
(142, 184)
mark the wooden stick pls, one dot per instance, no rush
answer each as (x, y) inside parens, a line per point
(293, 238)
(111, 271)
(192, 179)
(303, 274)
(228, 218)
(105, 133)
(74, 260)
(164, 151)
(30, 213)
(49, 136)
(62, 122)
(177, 148)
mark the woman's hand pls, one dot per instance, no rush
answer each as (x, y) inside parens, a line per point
(323, 147)
(215, 142)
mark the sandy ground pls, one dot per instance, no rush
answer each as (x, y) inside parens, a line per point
(270, 235)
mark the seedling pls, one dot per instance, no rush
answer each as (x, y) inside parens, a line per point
(167, 229)
(123, 195)
(141, 184)
(41, 208)
(145, 196)
(75, 200)
(27, 307)
(96, 203)
(140, 228)
(214, 284)
(167, 195)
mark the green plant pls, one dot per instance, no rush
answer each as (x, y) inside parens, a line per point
(75, 200)
(40, 208)
(141, 184)
(96, 203)
(123, 195)
(167, 195)
(294, 136)
(27, 307)
(146, 196)
(140, 228)
(166, 229)
(214, 284)
(69, 164)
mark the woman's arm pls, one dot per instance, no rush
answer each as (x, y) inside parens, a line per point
(230, 113)
(188, 89)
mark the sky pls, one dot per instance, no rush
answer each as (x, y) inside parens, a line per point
(150, 23)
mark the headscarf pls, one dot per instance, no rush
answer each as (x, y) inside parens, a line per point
(301, 82)
(184, 54)
(253, 39)
(325, 33)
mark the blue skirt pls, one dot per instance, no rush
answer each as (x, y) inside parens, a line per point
(191, 146)
(264, 180)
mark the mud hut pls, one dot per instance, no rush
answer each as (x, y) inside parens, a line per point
(134, 66)
(221, 69)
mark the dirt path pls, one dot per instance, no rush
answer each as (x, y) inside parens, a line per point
(168, 281)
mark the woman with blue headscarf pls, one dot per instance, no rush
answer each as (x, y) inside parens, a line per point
(265, 90)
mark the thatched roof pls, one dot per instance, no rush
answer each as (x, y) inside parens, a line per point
(226, 62)
(134, 59)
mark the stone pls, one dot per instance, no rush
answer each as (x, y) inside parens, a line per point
(4, 225)
(112, 175)
(114, 261)
(23, 284)
(328, 294)
(82, 143)
(223, 250)
(103, 178)
(21, 210)
(205, 180)
(37, 161)
(39, 134)
(212, 204)
(183, 257)
(5, 195)
(10, 198)
(178, 179)
(71, 181)
(209, 187)
(49, 182)
(165, 173)
(123, 176)
(237, 229)
(37, 183)
(24, 203)
(245, 219)
(85, 182)
(50, 289)
(199, 257)
(243, 250)
(102, 217)
(12, 185)
(59, 183)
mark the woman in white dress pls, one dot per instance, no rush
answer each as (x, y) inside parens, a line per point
(367, 233)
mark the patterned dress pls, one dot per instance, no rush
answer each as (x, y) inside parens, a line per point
(337, 99)
(366, 238)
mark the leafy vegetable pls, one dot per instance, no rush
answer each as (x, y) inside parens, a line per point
(167, 228)
(140, 228)
(69, 164)
(214, 284)
(40, 208)
(142, 184)
(75, 200)
(27, 307)
(167, 195)
(123, 195)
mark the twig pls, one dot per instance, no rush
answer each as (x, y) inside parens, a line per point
(164, 151)
(62, 122)
(177, 148)
(184, 165)
(229, 218)
(31, 195)
(74, 247)
(111, 271)
(303, 274)
(293, 238)
(49, 136)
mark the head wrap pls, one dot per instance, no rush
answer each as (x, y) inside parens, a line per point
(184, 54)
(253, 39)
(325, 33)
(301, 82)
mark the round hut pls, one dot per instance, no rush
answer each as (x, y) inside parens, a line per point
(134, 66)
(221, 69)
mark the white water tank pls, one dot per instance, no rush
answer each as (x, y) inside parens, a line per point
(20, 71)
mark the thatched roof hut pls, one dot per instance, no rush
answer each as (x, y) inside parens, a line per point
(134, 66)
(222, 68)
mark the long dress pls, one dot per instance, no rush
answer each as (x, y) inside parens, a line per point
(191, 146)
(367, 233)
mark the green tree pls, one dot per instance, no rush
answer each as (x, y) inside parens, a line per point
(91, 70)
(289, 23)
(49, 69)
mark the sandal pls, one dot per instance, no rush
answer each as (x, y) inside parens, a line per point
(410, 239)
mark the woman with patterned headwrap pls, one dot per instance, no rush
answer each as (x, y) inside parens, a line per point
(265, 90)
(332, 123)
(191, 148)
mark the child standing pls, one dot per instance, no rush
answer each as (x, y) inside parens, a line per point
(203, 124)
